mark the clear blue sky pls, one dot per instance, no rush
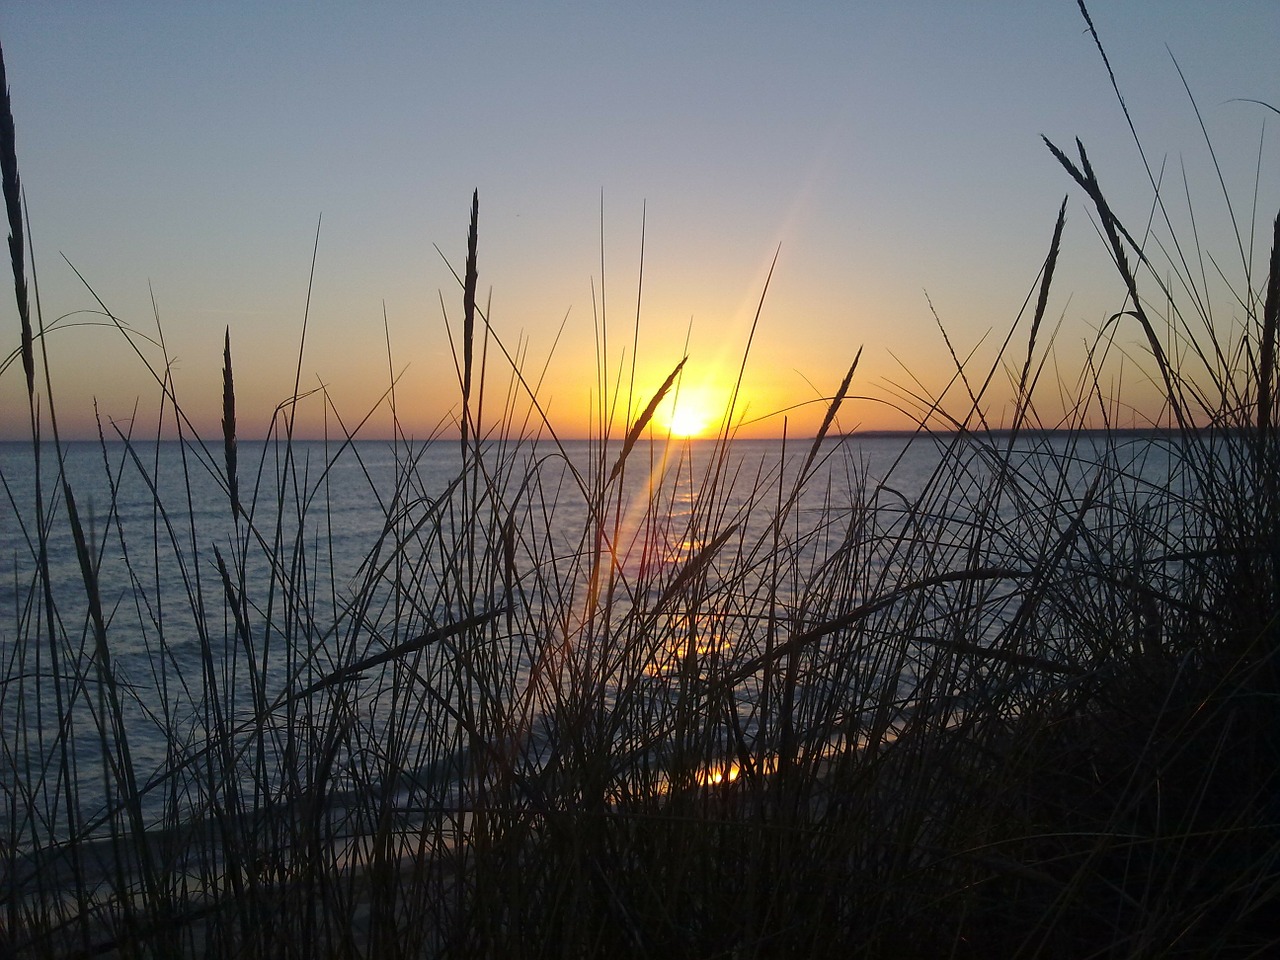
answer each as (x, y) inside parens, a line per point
(889, 149)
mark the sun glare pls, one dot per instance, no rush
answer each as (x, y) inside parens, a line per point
(687, 422)
(692, 413)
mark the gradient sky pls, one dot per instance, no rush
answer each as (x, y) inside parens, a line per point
(186, 151)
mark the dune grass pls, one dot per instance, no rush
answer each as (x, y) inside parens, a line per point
(644, 698)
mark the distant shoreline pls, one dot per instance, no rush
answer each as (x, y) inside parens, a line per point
(1022, 432)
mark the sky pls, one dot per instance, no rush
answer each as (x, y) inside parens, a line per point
(639, 168)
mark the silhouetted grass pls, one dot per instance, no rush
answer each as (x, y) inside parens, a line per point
(658, 699)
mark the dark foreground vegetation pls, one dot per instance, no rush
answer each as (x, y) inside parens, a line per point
(1030, 709)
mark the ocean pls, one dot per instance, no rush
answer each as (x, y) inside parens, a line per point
(378, 619)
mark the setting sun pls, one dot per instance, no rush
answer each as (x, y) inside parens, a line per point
(692, 412)
(687, 421)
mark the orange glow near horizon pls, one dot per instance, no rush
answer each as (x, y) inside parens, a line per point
(692, 412)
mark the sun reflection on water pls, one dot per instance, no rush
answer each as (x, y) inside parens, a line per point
(708, 636)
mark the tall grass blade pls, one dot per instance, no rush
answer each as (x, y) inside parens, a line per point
(469, 315)
(833, 408)
(1042, 302)
(642, 421)
(1267, 350)
(13, 209)
(229, 427)
(1114, 230)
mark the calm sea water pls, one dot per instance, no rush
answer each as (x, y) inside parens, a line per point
(153, 514)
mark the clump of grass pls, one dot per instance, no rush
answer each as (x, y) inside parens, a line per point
(1013, 696)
